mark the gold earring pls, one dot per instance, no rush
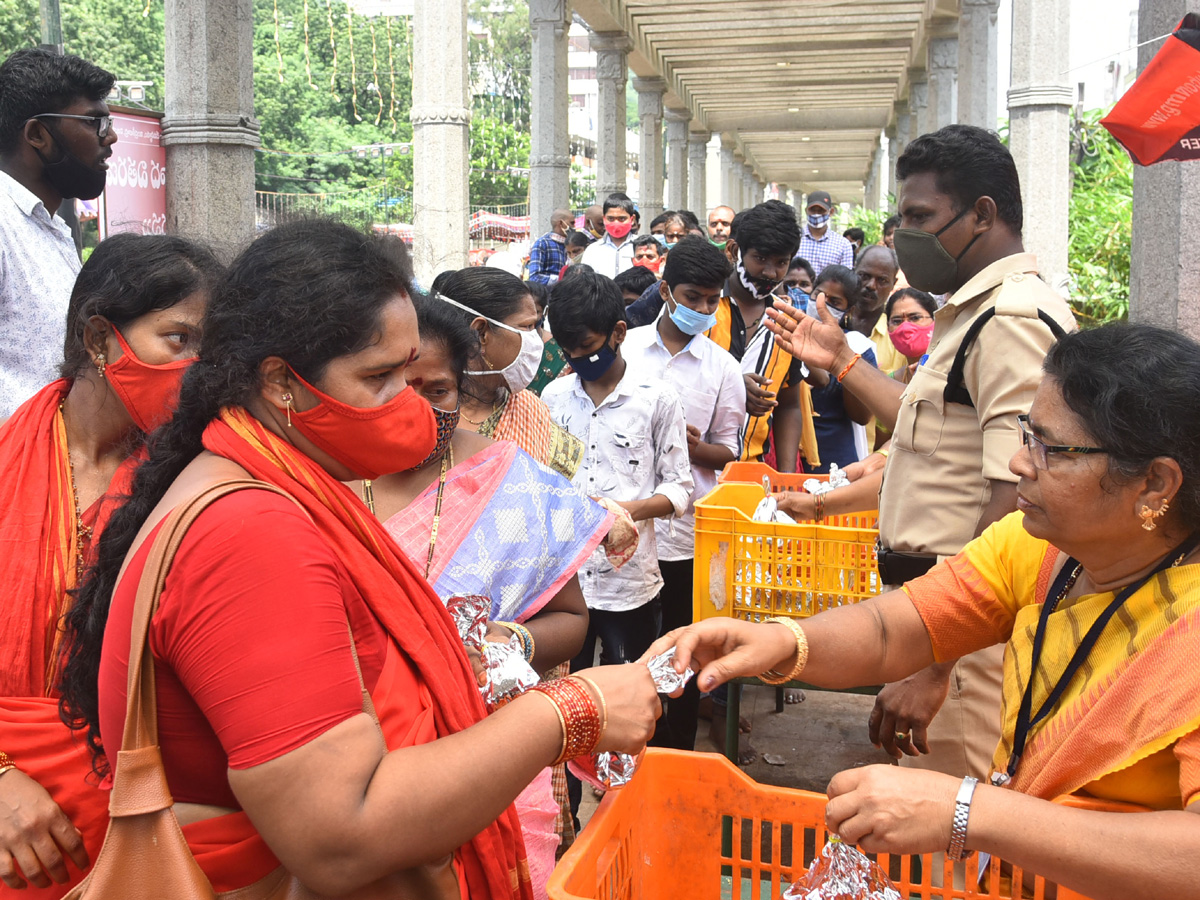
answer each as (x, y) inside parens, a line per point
(101, 362)
(287, 401)
(1148, 516)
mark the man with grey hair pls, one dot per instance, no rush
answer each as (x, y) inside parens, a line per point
(877, 269)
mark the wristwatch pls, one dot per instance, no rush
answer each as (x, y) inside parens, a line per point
(962, 811)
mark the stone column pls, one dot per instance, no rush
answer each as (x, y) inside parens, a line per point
(1164, 279)
(697, 200)
(650, 163)
(1039, 110)
(678, 177)
(749, 184)
(730, 176)
(943, 81)
(871, 196)
(889, 165)
(783, 191)
(918, 104)
(209, 130)
(611, 48)
(800, 201)
(977, 53)
(904, 134)
(549, 156)
(441, 118)
(737, 182)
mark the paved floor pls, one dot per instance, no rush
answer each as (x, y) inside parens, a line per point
(816, 739)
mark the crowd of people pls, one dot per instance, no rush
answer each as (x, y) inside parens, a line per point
(359, 454)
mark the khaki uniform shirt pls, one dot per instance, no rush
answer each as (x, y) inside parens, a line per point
(935, 486)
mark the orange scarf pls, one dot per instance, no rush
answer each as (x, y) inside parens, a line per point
(493, 863)
(39, 539)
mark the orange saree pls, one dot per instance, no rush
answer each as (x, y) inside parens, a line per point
(426, 663)
(40, 545)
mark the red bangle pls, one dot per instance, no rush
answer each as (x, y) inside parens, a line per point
(849, 366)
(578, 715)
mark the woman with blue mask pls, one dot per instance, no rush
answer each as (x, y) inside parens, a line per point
(840, 416)
(799, 281)
(494, 402)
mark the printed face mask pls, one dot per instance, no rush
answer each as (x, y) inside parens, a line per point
(816, 221)
(912, 339)
(393, 437)
(447, 423)
(688, 320)
(593, 366)
(519, 373)
(925, 262)
(149, 393)
(799, 298)
(759, 288)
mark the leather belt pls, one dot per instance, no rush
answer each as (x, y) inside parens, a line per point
(897, 567)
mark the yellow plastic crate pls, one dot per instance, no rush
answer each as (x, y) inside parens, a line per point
(753, 570)
(739, 472)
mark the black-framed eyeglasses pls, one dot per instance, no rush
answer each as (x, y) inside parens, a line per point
(103, 123)
(1039, 450)
(915, 318)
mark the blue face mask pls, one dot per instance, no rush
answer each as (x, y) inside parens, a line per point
(817, 221)
(799, 298)
(593, 366)
(688, 320)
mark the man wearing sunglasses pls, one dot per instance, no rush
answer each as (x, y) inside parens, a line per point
(55, 137)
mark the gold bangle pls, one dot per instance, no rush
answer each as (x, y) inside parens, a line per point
(883, 451)
(773, 677)
(562, 722)
(603, 703)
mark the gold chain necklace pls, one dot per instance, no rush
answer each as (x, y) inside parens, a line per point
(83, 533)
(447, 465)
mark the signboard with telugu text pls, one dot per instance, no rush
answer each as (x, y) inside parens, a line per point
(135, 195)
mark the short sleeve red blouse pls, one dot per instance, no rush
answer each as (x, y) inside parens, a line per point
(251, 648)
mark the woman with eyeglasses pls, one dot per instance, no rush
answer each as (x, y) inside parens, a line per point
(1094, 585)
(909, 315)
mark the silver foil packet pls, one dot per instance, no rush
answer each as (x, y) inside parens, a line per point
(508, 674)
(843, 872)
(470, 614)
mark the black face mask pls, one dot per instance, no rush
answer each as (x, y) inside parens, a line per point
(926, 264)
(71, 176)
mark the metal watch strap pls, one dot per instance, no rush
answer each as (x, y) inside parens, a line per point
(962, 811)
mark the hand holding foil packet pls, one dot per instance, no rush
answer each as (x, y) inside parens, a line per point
(508, 674)
(609, 770)
(842, 872)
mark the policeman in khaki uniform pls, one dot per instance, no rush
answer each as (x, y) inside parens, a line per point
(955, 424)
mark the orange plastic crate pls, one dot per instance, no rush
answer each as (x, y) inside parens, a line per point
(755, 570)
(693, 826)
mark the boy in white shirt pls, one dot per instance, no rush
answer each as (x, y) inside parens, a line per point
(613, 253)
(635, 453)
(674, 350)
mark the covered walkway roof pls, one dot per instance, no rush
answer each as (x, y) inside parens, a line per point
(804, 88)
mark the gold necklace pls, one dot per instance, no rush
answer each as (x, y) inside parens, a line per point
(83, 533)
(368, 494)
(447, 465)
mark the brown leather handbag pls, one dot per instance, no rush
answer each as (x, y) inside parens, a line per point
(145, 855)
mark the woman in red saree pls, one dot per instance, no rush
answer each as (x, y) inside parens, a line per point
(66, 455)
(301, 383)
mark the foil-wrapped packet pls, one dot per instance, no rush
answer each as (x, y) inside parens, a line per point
(842, 872)
(837, 479)
(508, 674)
(609, 770)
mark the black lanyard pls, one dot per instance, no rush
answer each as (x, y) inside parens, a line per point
(1024, 720)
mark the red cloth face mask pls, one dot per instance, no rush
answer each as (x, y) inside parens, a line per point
(149, 393)
(654, 265)
(394, 437)
(618, 230)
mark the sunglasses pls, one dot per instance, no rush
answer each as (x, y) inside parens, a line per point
(103, 123)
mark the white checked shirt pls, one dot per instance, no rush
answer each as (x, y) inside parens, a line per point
(635, 446)
(831, 250)
(609, 258)
(709, 382)
(38, 265)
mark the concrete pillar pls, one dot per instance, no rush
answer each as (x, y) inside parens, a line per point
(943, 81)
(748, 182)
(1039, 111)
(800, 201)
(441, 119)
(889, 164)
(1164, 279)
(678, 177)
(209, 130)
(918, 104)
(904, 134)
(977, 53)
(650, 164)
(993, 74)
(549, 156)
(874, 175)
(783, 192)
(737, 182)
(730, 176)
(697, 200)
(611, 49)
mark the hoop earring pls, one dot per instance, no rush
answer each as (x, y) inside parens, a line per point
(101, 362)
(1148, 516)
(287, 400)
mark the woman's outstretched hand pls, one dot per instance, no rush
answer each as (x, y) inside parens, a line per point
(723, 649)
(819, 345)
